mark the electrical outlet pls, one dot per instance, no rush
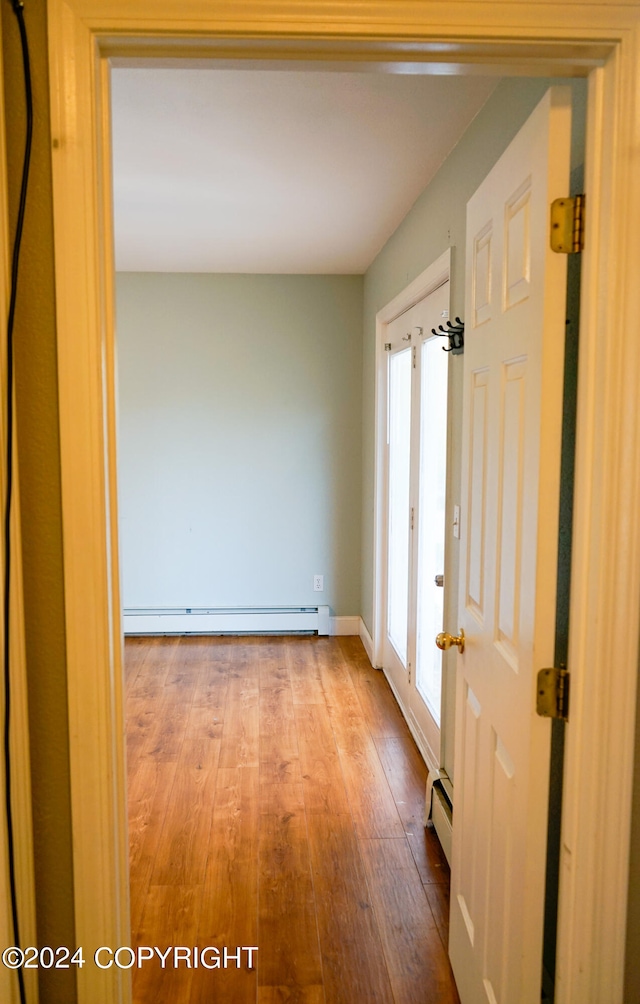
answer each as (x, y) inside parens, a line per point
(318, 583)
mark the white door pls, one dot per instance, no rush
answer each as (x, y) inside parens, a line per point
(417, 381)
(513, 370)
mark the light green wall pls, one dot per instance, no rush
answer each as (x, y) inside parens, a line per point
(239, 439)
(40, 508)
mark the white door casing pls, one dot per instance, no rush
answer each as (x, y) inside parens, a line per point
(540, 38)
(515, 323)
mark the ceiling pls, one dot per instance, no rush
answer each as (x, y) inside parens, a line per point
(275, 171)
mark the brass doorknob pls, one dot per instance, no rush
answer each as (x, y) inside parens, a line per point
(445, 641)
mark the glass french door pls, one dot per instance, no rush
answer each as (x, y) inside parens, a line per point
(398, 557)
(416, 476)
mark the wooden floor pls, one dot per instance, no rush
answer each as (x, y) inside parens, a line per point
(276, 800)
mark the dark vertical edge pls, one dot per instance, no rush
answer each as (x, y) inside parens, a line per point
(558, 727)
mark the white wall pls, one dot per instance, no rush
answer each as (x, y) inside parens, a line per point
(239, 439)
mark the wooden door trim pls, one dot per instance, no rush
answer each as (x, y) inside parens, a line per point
(536, 37)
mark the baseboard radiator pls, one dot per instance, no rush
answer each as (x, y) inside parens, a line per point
(439, 808)
(227, 620)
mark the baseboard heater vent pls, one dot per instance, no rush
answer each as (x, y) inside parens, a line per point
(227, 620)
(439, 807)
(441, 817)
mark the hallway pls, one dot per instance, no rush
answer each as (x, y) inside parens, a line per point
(275, 800)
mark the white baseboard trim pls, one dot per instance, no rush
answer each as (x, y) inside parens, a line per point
(416, 732)
(366, 640)
(344, 625)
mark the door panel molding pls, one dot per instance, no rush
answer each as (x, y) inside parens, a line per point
(541, 38)
(522, 347)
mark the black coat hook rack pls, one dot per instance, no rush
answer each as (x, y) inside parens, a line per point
(455, 334)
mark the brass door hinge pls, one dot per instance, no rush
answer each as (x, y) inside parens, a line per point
(567, 225)
(552, 695)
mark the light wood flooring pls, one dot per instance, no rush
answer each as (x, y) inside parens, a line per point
(276, 800)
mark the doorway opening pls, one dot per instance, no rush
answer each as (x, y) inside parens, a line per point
(96, 810)
(415, 410)
(176, 330)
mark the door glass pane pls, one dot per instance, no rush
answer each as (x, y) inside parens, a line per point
(399, 471)
(433, 469)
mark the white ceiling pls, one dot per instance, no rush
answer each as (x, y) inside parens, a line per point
(275, 171)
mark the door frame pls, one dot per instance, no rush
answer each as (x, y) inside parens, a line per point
(427, 282)
(539, 38)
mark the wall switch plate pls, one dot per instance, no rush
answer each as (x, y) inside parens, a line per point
(318, 583)
(456, 521)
